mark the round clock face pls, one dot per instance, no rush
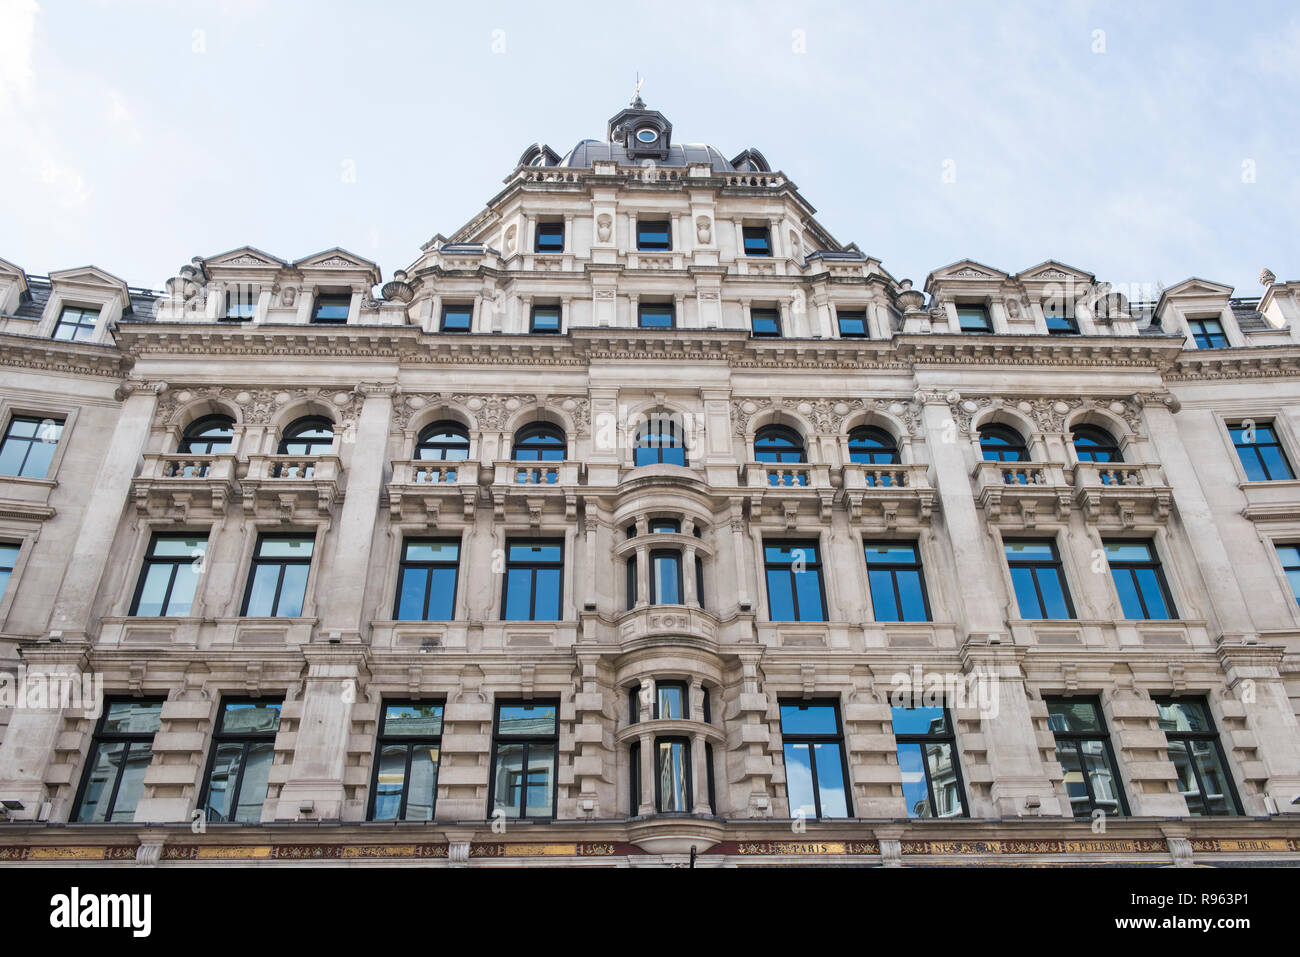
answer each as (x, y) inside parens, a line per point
(647, 135)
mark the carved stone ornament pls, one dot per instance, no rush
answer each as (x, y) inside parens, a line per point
(258, 406)
(703, 231)
(1049, 414)
(826, 415)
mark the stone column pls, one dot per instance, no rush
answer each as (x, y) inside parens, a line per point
(688, 577)
(335, 680)
(345, 586)
(107, 496)
(1254, 677)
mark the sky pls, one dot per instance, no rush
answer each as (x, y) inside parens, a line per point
(1143, 142)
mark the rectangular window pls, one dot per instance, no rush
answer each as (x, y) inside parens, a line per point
(794, 581)
(406, 762)
(119, 757)
(277, 582)
(241, 304)
(1038, 578)
(927, 758)
(765, 323)
(1260, 451)
(534, 579)
(426, 580)
(8, 562)
(673, 775)
(524, 741)
(1059, 321)
(670, 701)
(816, 771)
(550, 238)
(1208, 333)
(456, 317)
(665, 577)
(973, 318)
(758, 241)
(171, 571)
(76, 324)
(1194, 747)
(331, 308)
(1084, 752)
(546, 319)
(1140, 580)
(897, 582)
(853, 325)
(28, 446)
(243, 747)
(656, 315)
(1288, 555)
(653, 235)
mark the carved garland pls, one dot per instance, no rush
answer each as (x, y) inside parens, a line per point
(489, 412)
(826, 415)
(1050, 414)
(258, 406)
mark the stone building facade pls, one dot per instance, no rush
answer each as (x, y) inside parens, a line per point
(640, 522)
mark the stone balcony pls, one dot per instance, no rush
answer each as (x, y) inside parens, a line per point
(425, 486)
(175, 484)
(1118, 492)
(887, 491)
(1017, 493)
(289, 483)
(788, 486)
(536, 485)
(667, 624)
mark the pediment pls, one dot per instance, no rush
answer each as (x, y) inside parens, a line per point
(336, 258)
(967, 270)
(1053, 271)
(1194, 287)
(245, 257)
(9, 271)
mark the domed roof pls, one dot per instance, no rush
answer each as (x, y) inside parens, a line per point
(588, 152)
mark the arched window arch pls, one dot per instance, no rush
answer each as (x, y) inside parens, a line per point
(540, 442)
(778, 443)
(310, 435)
(660, 439)
(444, 441)
(1094, 444)
(870, 445)
(1001, 443)
(210, 435)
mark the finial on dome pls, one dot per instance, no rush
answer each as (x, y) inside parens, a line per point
(635, 102)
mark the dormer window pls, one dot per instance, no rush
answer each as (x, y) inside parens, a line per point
(1058, 323)
(765, 323)
(545, 319)
(550, 238)
(1208, 333)
(653, 235)
(331, 308)
(241, 304)
(758, 241)
(456, 317)
(853, 324)
(76, 324)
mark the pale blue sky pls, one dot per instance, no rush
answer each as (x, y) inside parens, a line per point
(134, 142)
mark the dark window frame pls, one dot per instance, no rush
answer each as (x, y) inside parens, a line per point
(327, 299)
(892, 568)
(660, 433)
(195, 434)
(986, 320)
(1078, 739)
(533, 566)
(646, 226)
(429, 565)
(756, 233)
(456, 309)
(770, 320)
(7, 570)
(1155, 564)
(1014, 443)
(812, 739)
(1205, 337)
(176, 561)
(683, 687)
(221, 736)
(1286, 569)
(676, 555)
(527, 740)
(547, 309)
(256, 561)
(645, 308)
(813, 565)
(547, 230)
(545, 437)
(1054, 564)
(1102, 443)
(426, 441)
(411, 742)
(307, 423)
(950, 738)
(853, 316)
(888, 447)
(78, 324)
(1188, 737)
(1275, 442)
(31, 440)
(238, 307)
(796, 445)
(685, 742)
(100, 736)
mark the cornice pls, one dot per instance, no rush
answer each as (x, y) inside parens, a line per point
(42, 354)
(1039, 350)
(1252, 362)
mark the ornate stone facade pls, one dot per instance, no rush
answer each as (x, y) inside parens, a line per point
(461, 341)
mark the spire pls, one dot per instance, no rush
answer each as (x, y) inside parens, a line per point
(635, 103)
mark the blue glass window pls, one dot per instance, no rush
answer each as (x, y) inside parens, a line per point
(1083, 750)
(457, 317)
(1092, 444)
(758, 241)
(1140, 580)
(405, 785)
(239, 767)
(973, 318)
(660, 439)
(853, 325)
(523, 762)
(656, 315)
(426, 581)
(120, 754)
(546, 319)
(534, 576)
(927, 759)
(869, 445)
(1038, 578)
(1197, 756)
(210, 435)
(816, 773)
(765, 323)
(1208, 333)
(998, 443)
(28, 446)
(665, 577)
(778, 443)
(540, 442)
(331, 308)
(897, 582)
(550, 238)
(8, 561)
(1060, 318)
(1288, 555)
(794, 581)
(653, 235)
(277, 581)
(1261, 453)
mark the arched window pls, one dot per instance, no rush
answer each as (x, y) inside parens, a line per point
(210, 435)
(778, 443)
(443, 442)
(310, 435)
(1092, 444)
(540, 442)
(659, 439)
(869, 445)
(998, 443)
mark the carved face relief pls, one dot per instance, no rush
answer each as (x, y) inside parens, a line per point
(704, 230)
(603, 227)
